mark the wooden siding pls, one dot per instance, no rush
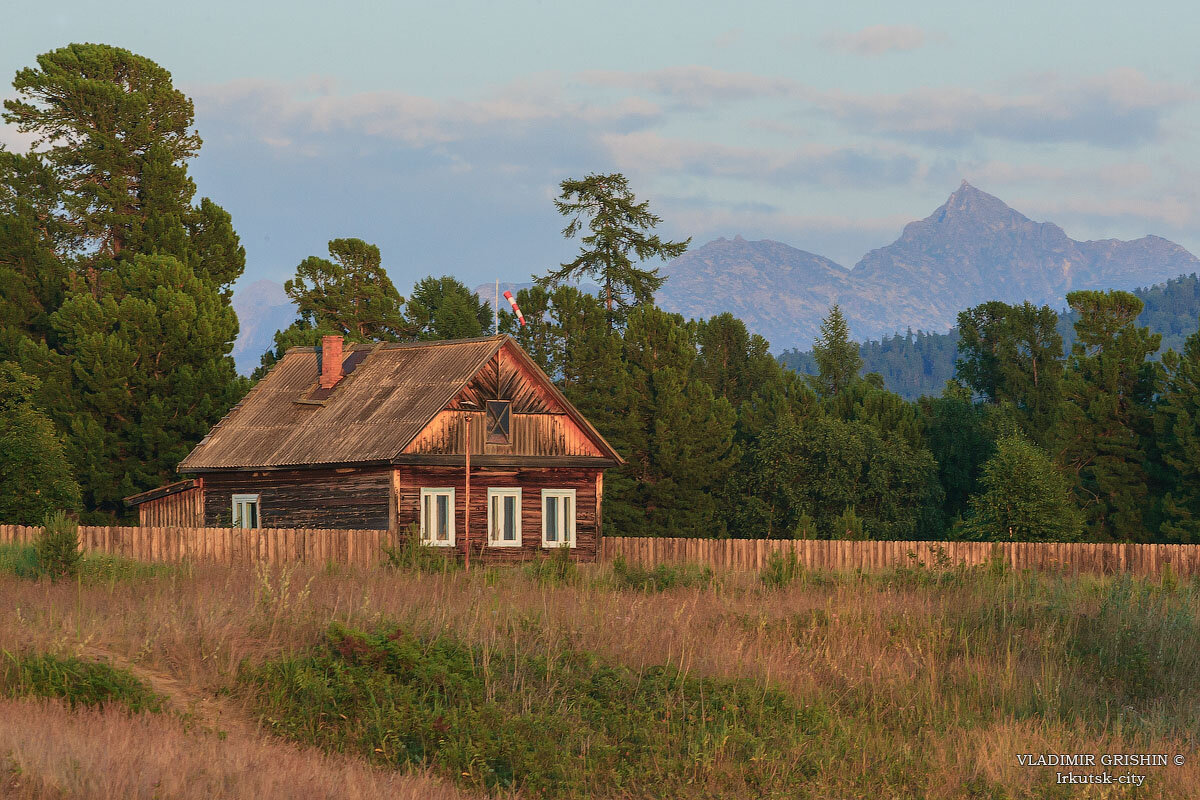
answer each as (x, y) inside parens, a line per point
(505, 378)
(184, 508)
(410, 480)
(752, 554)
(354, 498)
(531, 435)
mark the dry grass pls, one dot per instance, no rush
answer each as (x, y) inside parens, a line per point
(932, 690)
(103, 754)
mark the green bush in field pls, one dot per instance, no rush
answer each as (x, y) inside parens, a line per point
(58, 546)
(781, 570)
(22, 561)
(555, 570)
(848, 526)
(78, 682)
(557, 724)
(661, 578)
(413, 554)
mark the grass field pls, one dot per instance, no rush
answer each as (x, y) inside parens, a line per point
(606, 681)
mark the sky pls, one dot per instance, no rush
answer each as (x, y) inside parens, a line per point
(440, 131)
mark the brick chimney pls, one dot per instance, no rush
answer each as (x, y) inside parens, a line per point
(331, 361)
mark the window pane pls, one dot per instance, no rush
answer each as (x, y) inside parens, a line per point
(551, 514)
(510, 518)
(443, 520)
(253, 515)
(427, 518)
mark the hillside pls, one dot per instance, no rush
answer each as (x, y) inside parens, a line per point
(915, 364)
(971, 249)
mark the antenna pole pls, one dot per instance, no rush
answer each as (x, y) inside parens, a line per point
(496, 308)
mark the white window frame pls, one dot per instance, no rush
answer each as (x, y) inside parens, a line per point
(501, 492)
(426, 528)
(243, 499)
(570, 522)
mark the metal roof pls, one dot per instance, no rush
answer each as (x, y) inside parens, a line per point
(369, 416)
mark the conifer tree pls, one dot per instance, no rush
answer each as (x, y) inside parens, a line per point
(619, 232)
(444, 308)
(138, 375)
(348, 293)
(1177, 429)
(838, 359)
(1023, 497)
(35, 475)
(732, 361)
(133, 344)
(1105, 418)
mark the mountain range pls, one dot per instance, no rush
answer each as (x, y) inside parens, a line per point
(973, 248)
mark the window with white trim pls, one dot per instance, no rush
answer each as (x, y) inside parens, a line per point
(245, 511)
(558, 517)
(504, 517)
(437, 517)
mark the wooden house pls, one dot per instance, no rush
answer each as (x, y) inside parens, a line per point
(380, 436)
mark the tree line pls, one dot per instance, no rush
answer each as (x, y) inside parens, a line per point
(116, 329)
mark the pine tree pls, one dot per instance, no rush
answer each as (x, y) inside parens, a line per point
(732, 361)
(1105, 419)
(117, 134)
(619, 227)
(35, 476)
(137, 376)
(32, 235)
(444, 308)
(1022, 497)
(1177, 430)
(133, 344)
(838, 360)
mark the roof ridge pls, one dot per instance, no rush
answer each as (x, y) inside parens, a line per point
(301, 348)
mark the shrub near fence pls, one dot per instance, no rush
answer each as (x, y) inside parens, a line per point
(752, 554)
(367, 548)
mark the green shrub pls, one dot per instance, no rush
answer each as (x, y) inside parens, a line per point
(412, 554)
(555, 724)
(806, 527)
(556, 569)
(22, 561)
(781, 570)
(661, 578)
(58, 546)
(848, 526)
(78, 682)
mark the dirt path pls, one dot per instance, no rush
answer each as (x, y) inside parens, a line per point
(216, 714)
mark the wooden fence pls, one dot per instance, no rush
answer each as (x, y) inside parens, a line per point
(752, 554)
(365, 548)
(225, 545)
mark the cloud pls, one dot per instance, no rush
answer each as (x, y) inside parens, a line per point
(278, 112)
(694, 86)
(876, 40)
(1117, 109)
(648, 151)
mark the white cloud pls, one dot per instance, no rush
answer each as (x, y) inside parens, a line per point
(1116, 109)
(876, 40)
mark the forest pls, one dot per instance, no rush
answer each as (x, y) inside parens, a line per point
(116, 327)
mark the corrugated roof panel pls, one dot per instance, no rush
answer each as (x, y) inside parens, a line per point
(369, 416)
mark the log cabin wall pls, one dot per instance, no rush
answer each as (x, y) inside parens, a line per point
(184, 509)
(350, 497)
(409, 480)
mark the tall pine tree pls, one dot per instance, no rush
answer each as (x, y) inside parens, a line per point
(838, 360)
(1177, 432)
(1105, 419)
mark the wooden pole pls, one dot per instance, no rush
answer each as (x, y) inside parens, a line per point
(467, 503)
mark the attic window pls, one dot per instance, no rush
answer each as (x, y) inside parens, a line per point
(498, 420)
